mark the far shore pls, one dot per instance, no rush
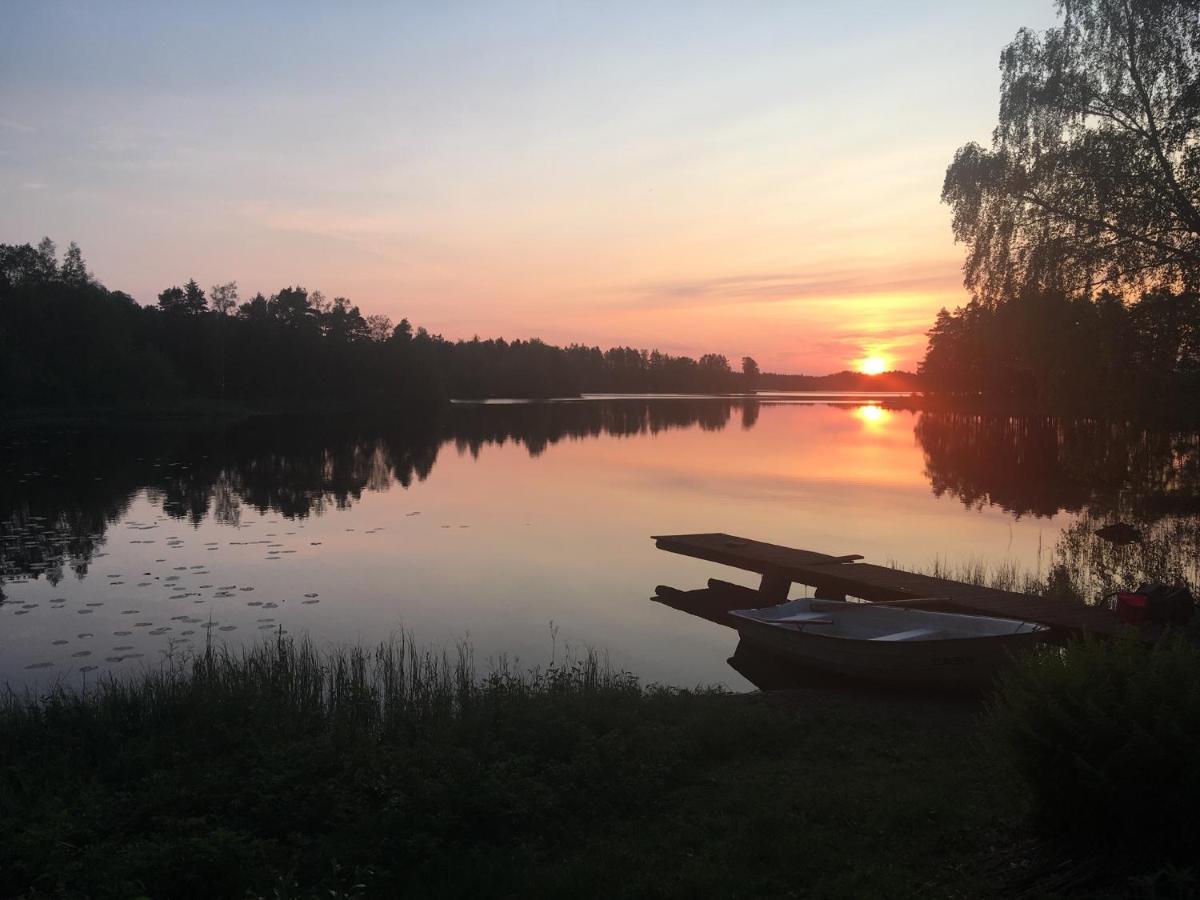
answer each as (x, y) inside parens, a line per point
(202, 410)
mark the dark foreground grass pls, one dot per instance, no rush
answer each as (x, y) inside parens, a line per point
(282, 771)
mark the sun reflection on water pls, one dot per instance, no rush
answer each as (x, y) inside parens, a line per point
(873, 416)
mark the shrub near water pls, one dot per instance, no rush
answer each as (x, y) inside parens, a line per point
(1107, 736)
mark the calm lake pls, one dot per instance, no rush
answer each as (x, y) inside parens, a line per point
(524, 528)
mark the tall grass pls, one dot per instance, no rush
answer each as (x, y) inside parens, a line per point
(285, 769)
(1059, 582)
(224, 772)
(392, 688)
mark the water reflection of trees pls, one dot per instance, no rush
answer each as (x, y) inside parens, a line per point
(537, 426)
(61, 487)
(1169, 551)
(1043, 466)
(1104, 471)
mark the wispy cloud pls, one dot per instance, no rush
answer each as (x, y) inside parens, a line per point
(334, 224)
(778, 287)
(12, 125)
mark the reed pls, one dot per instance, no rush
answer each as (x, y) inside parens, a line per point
(394, 687)
(1008, 575)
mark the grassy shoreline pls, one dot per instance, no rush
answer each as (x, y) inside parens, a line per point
(282, 770)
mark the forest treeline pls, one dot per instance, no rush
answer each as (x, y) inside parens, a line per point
(842, 381)
(66, 340)
(1046, 350)
(1081, 221)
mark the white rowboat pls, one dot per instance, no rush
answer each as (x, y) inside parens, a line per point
(890, 643)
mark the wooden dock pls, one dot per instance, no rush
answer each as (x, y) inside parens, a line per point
(845, 576)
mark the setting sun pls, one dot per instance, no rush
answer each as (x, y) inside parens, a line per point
(873, 365)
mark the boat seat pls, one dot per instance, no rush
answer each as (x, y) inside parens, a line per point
(804, 617)
(913, 634)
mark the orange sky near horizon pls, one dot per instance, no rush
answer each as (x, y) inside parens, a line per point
(699, 177)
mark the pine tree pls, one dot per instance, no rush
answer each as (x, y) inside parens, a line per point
(74, 269)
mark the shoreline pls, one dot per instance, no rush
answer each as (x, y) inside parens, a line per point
(204, 410)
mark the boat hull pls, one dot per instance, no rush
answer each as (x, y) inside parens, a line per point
(967, 663)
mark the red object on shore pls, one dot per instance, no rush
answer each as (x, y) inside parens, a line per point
(1131, 607)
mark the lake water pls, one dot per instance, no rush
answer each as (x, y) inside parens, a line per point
(524, 528)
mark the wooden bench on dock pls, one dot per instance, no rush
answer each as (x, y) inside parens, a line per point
(838, 577)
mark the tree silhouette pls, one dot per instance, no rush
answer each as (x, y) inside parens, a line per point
(379, 328)
(750, 372)
(224, 297)
(188, 300)
(171, 299)
(21, 265)
(74, 269)
(193, 298)
(48, 252)
(1093, 177)
(714, 371)
(290, 307)
(254, 309)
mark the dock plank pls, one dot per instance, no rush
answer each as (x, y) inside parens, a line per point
(743, 553)
(842, 576)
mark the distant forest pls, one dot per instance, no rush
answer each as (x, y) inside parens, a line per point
(68, 341)
(842, 381)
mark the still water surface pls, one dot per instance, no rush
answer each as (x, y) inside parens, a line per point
(524, 528)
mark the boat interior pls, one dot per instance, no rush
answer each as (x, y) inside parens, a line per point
(874, 622)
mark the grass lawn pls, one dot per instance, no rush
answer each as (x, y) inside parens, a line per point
(847, 797)
(287, 772)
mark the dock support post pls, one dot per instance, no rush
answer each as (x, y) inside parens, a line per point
(774, 588)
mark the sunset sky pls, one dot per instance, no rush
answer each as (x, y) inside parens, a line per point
(743, 177)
